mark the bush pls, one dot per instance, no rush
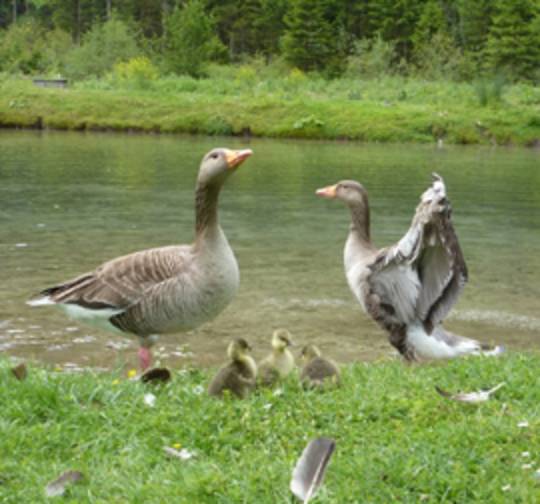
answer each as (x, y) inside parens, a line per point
(103, 46)
(139, 71)
(489, 91)
(191, 41)
(371, 58)
(438, 58)
(25, 47)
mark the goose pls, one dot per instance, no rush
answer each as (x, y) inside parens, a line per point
(280, 362)
(409, 288)
(167, 289)
(238, 377)
(318, 371)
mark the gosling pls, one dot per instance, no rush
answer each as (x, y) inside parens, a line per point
(238, 377)
(280, 362)
(318, 371)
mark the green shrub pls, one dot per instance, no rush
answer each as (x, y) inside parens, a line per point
(371, 58)
(103, 46)
(26, 47)
(139, 71)
(438, 58)
(191, 40)
(489, 91)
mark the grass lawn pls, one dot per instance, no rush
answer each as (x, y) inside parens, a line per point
(397, 440)
(391, 109)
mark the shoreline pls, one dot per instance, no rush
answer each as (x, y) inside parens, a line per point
(24, 106)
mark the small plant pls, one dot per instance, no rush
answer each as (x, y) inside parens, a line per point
(489, 91)
(371, 58)
(139, 71)
(307, 122)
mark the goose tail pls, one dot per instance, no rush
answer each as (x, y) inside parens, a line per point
(442, 344)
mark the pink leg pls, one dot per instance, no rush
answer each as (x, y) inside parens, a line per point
(145, 358)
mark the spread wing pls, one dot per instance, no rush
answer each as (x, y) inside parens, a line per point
(120, 283)
(422, 275)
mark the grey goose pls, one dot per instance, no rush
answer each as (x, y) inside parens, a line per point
(410, 287)
(167, 289)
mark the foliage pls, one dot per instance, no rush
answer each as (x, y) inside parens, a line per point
(28, 48)
(191, 42)
(514, 38)
(386, 109)
(461, 39)
(396, 439)
(312, 38)
(139, 70)
(371, 58)
(437, 58)
(103, 46)
(490, 90)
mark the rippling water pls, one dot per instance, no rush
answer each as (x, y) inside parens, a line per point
(69, 201)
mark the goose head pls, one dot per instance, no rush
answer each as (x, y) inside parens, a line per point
(219, 163)
(352, 193)
(281, 339)
(309, 352)
(238, 349)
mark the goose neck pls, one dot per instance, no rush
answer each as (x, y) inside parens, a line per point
(360, 225)
(206, 203)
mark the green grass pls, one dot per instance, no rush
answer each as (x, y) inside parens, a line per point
(397, 440)
(391, 109)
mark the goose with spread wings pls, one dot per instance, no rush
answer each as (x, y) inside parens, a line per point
(166, 289)
(410, 287)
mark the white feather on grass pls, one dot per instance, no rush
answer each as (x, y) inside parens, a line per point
(59, 485)
(470, 397)
(310, 469)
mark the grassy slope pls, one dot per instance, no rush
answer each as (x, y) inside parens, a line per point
(397, 440)
(391, 110)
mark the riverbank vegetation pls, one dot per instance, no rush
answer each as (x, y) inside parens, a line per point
(397, 439)
(414, 70)
(240, 102)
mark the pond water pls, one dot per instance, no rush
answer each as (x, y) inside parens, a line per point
(69, 201)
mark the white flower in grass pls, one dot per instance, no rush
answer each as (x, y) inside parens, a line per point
(183, 454)
(198, 389)
(523, 425)
(150, 400)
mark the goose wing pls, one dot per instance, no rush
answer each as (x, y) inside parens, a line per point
(422, 275)
(121, 282)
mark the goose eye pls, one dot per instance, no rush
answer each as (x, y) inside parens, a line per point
(214, 155)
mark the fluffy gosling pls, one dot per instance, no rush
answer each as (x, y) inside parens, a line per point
(238, 377)
(280, 362)
(318, 371)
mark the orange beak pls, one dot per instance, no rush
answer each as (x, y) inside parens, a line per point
(237, 157)
(327, 192)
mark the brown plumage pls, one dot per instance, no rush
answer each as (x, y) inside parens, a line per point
(166, 289)
(410, 287)
(318, 371)
(238, 377)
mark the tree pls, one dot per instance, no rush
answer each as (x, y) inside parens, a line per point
(313, 39)
(513, 45)
(102, 47)
(191, 41)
